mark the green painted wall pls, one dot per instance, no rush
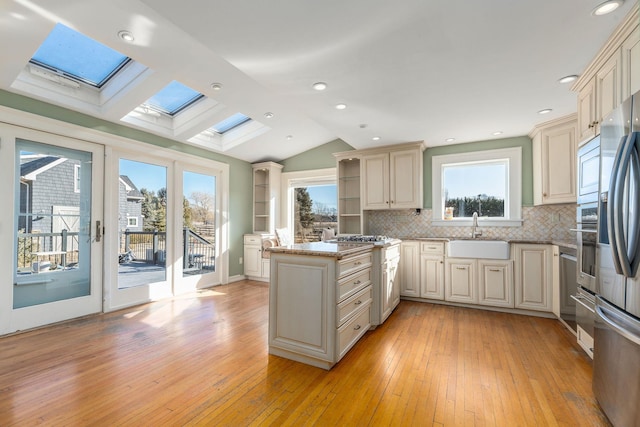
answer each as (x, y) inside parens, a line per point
(527, 167)
(240, 172)
(317, 158)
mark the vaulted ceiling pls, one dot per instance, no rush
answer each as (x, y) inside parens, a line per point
(407, 70)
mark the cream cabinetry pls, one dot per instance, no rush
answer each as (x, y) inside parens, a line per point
(630, 64)
(389, 283)
(495, 283)
(392, 179)
(533, 276)
(554, 147)
(610, 78)
(319, 306)
(410, 269)
(256, 264)
(349, 205)
(432, 270)
(460, 280)
(266, 196)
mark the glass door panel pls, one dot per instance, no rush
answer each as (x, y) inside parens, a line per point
(53, 195)
(142, 224)
(198, 224)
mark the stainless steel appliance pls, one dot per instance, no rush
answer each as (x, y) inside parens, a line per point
(586, 232)
(616, 371)
(568, 287)
(585, 319)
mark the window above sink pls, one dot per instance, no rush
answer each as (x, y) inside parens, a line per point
(465, 182)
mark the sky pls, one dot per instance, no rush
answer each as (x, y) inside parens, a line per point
(325, 194)
(154, 177)
(471, 181)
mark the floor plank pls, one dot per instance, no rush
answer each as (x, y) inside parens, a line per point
(202, 359)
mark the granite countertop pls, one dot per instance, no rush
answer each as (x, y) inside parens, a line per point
(337, 250)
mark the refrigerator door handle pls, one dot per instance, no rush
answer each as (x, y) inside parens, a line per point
(613, 208)
(617, 324)
(633, 228)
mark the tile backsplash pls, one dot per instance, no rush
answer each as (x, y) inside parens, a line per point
(549, 222)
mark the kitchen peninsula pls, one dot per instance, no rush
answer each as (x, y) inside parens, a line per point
(320, 300)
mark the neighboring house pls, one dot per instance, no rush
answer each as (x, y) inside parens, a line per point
(49, 194)
(50, 197)
(130, 200)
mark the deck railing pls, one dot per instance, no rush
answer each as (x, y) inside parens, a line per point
(56, 249)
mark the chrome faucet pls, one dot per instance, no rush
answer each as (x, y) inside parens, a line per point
(475, 232)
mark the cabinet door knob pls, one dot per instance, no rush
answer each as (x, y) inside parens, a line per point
(357, 327)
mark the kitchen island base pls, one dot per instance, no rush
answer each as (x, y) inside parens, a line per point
(319, 301)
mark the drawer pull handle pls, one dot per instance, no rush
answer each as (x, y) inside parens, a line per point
(497, 270)
(357, 302)
(357, 327)
(357, 282)
(357, 263)
(432, 247)
(461, 268)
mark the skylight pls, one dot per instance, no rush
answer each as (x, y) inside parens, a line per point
(76, 56)
(174, 98)
(230, 123)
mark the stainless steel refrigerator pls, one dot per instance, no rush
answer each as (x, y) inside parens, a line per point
(616, 359)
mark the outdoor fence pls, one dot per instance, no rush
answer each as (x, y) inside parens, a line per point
(53, 250)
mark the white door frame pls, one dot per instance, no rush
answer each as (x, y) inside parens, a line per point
(11, 319)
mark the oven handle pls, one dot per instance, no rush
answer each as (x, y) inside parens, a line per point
(583, 230)
(578, 299)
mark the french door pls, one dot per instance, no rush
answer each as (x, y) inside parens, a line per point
(54, 253)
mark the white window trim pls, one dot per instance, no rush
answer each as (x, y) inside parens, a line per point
(514, 196)
(129, 224)
(291, 180)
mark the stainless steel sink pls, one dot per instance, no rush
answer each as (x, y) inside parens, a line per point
(487, 249)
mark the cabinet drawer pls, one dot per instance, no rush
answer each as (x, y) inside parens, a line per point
(252, 239)
(391, 252)
(432, 248)
(350, 332)
(351, 264)
(349, 306)
(349, 285)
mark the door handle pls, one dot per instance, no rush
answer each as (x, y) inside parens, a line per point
(98, 231)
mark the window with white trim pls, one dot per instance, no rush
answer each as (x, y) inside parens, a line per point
(487, 182)
(76, 178)
(132, 221)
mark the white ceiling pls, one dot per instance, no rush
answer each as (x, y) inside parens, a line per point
(410, 70)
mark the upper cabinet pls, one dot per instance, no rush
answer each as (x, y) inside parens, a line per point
(349, 204)
(266, 196)
(392, 179)
(554, 161)
(611, 77)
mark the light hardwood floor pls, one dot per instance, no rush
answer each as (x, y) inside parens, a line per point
(202, 360)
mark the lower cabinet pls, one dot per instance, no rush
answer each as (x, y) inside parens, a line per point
(409, 269)
(495, 283)
(389, 282)
(460, 282)
(256, 264)
(479, 281)
(432, 276)
(533, 278)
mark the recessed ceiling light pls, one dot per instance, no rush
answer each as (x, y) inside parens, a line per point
(499, 132)
(545, 111)
(126, 36)
(341, 106)
(216, 86)
(268, 115)
(606, 7)
(319, 86)
(568, 79)
(449, 140)
(376, 138)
